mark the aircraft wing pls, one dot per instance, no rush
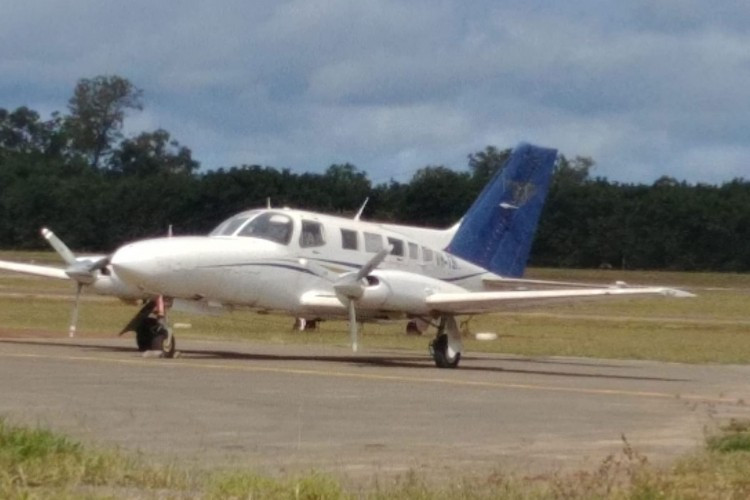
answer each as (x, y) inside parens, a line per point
(502, 283)
(322, 301)
(483, 302)
(46, 271)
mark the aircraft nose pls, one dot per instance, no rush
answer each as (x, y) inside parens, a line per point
(135, 262)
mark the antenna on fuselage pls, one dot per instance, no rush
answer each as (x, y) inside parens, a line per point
(361, 209)
(268, 203)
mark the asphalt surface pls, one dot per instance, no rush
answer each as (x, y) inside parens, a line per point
(298, 408)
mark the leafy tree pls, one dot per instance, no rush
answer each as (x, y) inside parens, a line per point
(97, 111)
(485, 164)
(152, 181)
(572, 172)
(152, 153)
(21, 131)
(666, 181)
(436, 196)
(346, 186)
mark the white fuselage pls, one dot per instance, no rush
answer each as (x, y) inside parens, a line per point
(263, 259)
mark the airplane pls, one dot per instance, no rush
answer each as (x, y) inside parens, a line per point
(317, 267)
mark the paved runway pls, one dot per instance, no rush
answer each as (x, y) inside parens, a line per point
(281, 408)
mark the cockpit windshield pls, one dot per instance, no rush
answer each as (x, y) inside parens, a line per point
(230, 226)
(270, 226)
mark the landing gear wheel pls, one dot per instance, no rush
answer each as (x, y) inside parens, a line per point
(152, 335)
(439, 351)
(412, 328)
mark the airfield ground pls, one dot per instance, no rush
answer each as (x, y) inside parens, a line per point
(557, 391)
(297, 408)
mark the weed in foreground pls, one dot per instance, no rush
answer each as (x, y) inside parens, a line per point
(732, 437)
(37, 463)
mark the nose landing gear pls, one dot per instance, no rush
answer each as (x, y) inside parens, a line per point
(152, 334)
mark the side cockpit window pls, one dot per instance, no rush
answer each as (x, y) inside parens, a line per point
(270, 226)
(311, 235)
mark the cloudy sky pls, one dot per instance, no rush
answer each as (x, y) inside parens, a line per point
(645, 87)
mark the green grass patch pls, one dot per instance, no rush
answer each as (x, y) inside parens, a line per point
(37, 463)
(42, 257)
(667, 278)
(711, 328)
(732, 437)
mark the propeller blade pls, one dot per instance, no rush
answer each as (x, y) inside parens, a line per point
(74, 317)
(60, 247)
(374, 262)
(81, 271)
(318, 270)
(100, 263)
(353, 325)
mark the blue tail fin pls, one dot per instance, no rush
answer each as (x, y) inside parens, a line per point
(497, 231)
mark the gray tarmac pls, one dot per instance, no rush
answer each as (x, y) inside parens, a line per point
(297, 408)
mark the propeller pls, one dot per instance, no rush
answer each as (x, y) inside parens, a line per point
(350, 287)
(82, 271)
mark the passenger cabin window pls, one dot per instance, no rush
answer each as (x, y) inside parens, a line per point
(270, 226)
(349, 239)
(426, 254)
(311, 235)
(440, 260)
(398, 247)
(373, 242)
(413, 251)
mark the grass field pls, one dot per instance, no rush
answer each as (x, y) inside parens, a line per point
(711, 328)
(36, 463)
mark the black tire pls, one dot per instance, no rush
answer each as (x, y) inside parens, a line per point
(145, 334)
(159, 344)
(151, 335)
(439, 350)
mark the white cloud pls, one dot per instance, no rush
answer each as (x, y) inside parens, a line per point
(646, 88)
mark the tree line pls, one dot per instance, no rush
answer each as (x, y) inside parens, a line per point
(78, 174)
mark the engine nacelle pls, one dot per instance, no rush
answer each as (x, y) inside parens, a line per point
(111, 284)
(393, 290)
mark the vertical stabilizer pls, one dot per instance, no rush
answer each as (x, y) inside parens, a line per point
(498, 229)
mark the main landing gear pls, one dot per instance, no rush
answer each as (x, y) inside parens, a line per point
(446, 347)
(417, 326)
(152, 334)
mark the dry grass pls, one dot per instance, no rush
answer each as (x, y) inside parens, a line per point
(36, 463)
